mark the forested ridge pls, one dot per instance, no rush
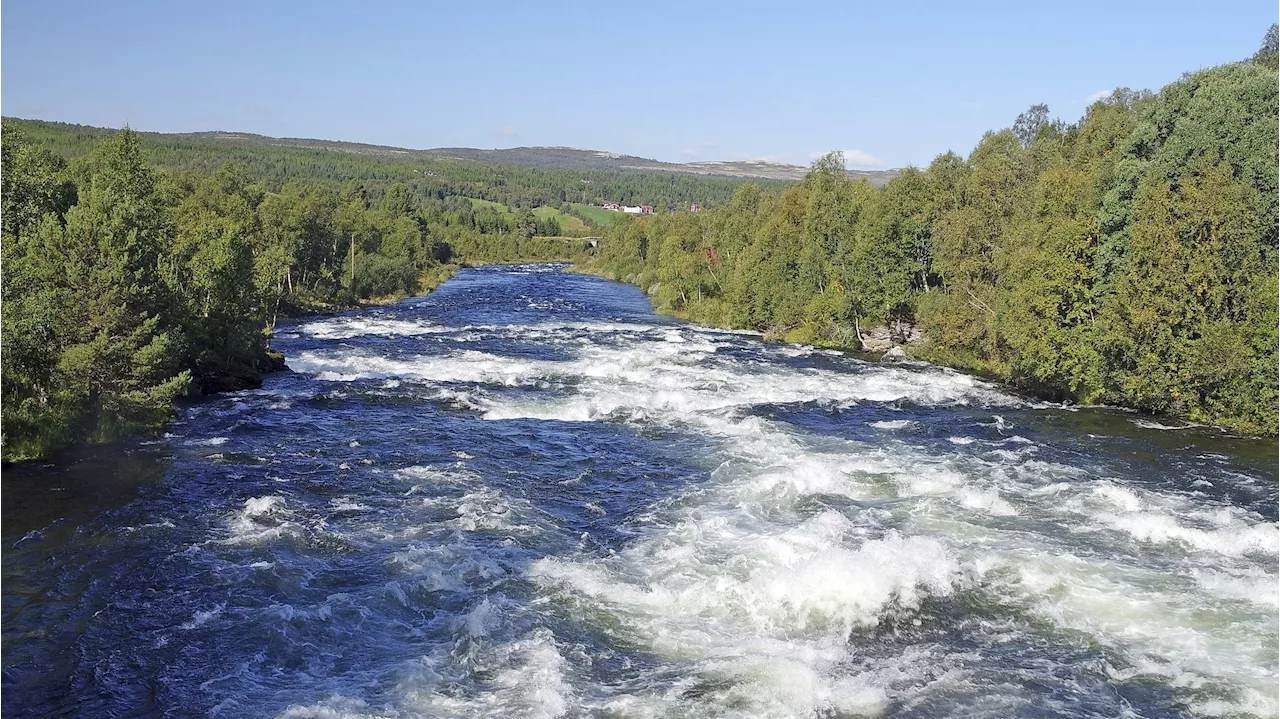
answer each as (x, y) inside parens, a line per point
(1128, 258)
(277, 163)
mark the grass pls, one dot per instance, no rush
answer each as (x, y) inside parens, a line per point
(598, 215)
(569, 224)
(477, 204)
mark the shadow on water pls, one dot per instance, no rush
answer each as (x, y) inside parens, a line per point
(54, 553)
(74, 488)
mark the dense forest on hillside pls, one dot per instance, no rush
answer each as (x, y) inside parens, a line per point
(126, 286)
(275, 164)
(1127, 258)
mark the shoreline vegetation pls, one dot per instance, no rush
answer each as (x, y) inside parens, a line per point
(127, 286)
(1128, 259)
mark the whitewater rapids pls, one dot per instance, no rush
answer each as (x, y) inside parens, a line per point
(525, 495)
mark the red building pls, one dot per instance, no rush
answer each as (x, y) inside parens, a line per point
(695, 207)
(646, 209)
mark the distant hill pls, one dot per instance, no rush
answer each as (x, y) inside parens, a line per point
(573, 158)
(557, 158)
(532, 178)
(563, 159)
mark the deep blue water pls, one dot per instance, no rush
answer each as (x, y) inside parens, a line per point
(527, 495)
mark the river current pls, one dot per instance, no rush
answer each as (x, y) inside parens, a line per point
(526, 495)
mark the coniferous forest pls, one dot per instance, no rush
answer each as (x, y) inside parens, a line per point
(1128, 258)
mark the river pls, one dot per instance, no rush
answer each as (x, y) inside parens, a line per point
(526, 495)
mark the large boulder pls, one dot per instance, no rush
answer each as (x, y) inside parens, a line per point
(895, 354)
(241, 376)
(271, 361)
(232, 379)
(876, 339)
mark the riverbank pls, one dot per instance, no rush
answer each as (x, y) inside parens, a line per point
(879, 342)
(913, 345)
(243, 375)
(427, 282)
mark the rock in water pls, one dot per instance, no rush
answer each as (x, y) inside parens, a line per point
(271, 361)
(232, 379)
(895, 354)
(241, 376)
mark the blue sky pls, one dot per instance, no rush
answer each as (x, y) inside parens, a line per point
(890, 83)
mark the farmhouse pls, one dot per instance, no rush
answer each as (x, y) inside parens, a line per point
(629, 209)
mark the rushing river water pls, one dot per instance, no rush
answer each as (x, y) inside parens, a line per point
(526, 495)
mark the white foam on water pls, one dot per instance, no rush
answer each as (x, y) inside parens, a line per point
(261, 520)
(664, 375)
(203, 617)
(487, 509)
(1143, 572)
(1232, 541)
(529, 679)
(526, 677)
(436, 475)
(1151, 424)
(761, 607)
(259, 506)
(755, 586)
(348, 327)
(466, 366)
(1253, 586)
(723, 582)
(765, 615)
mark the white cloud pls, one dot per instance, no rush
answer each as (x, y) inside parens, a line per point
(508, 131)
(856, 158)
(748, 157)
(1099, 95)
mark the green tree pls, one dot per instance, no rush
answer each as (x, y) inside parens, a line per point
(94, 307)
(34, 183)
(1266, 54)
(212, 266)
